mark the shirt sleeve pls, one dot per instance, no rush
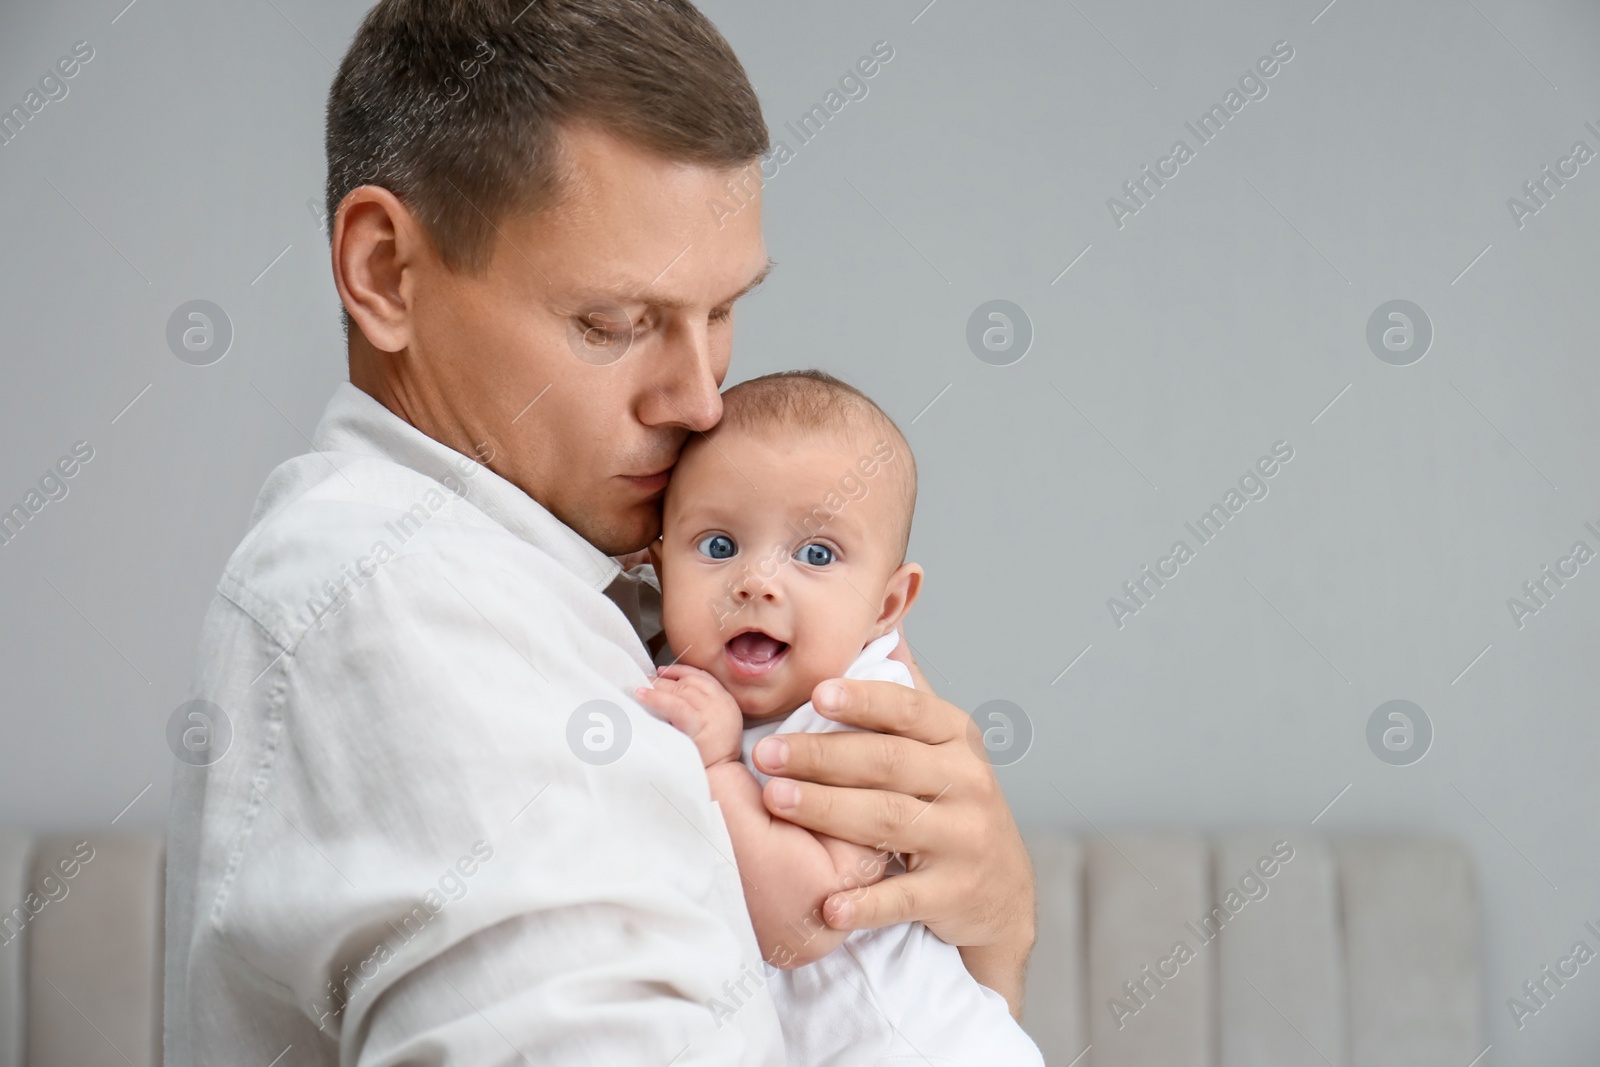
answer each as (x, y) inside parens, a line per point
(468, 845)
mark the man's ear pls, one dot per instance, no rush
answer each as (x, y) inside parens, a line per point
(898, 596)
(377, 245)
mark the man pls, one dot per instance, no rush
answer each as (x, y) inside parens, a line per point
(443, 832)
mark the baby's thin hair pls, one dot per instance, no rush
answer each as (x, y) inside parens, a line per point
(816, 401)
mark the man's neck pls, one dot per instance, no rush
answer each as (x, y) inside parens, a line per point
(381, 375)
(372, 372)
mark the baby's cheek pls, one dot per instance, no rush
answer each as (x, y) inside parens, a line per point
(811, 666)
(699, 647)
(825, 653)
(686, 632)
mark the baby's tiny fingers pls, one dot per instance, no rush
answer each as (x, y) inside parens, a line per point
(681, 672)
(655, 697)
(699, 681)
(669, 706)
(662, 687)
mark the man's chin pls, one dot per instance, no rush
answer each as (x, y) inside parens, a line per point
(621, 531)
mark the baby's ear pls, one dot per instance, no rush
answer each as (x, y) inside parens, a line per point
(655, 555)
(899, 593)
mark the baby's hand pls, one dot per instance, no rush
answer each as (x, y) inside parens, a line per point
(695, 702)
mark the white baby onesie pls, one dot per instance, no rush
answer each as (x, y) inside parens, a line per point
(897, 995)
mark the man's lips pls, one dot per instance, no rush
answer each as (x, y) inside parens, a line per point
(650, 483)
(752, 654)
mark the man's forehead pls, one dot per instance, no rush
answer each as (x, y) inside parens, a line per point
(657, 293)
(629, 225)
(626, 267)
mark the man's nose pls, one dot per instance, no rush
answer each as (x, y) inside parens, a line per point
(686, 392)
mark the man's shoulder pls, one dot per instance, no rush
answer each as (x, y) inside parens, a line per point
(326, 522)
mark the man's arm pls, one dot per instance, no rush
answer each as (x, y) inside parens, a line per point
(454, 719)
(916, 782)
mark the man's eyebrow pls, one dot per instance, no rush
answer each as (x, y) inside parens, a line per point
(760, 277)
(674, 304)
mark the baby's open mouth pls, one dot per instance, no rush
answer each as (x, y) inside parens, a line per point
(753, 653)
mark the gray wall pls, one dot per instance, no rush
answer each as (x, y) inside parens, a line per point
(1222, 317)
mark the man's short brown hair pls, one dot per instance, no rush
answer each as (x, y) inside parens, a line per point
(455, 106)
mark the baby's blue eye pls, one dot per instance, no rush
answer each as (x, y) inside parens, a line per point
(816, 555)
(717, 546)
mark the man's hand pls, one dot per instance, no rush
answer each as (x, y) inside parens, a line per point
(916, 785)
(697, 704)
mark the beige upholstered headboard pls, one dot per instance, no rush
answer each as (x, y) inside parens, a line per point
(80, 969)
(1255, 948)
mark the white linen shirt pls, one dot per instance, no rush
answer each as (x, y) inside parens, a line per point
(411, 849)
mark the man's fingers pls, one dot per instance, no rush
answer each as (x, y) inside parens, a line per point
(893, 900)
(875, 818)
(890, 708)
(858, 760)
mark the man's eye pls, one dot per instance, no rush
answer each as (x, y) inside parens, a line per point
(722, 315)
(601, 328)
(603, 333)
(717, 546)
(816, 555)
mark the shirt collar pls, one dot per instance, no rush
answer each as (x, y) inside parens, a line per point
(355, 422)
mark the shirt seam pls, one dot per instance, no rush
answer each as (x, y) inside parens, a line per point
(276, 694)
(255, 608)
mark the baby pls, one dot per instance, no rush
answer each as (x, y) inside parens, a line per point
(782, 563)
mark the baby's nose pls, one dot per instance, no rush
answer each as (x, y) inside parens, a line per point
(753, 586)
